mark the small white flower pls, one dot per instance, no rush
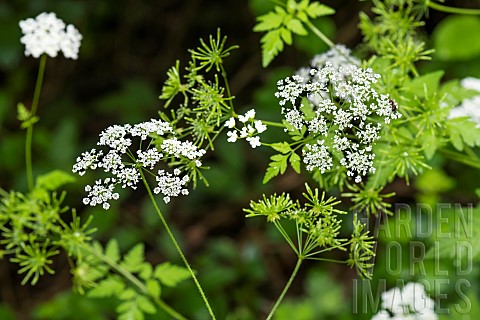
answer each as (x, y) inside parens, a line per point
(149, 158)
(170, 185)
(230, 123)
(46, 34)
(317, 156)
(411, 302)
(88, 160)
(259, 126)
(232, 136)
(179, 149)
(250, 114)
(100, 193)
(254, 141)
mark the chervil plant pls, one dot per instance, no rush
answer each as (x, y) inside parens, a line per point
(353, 121)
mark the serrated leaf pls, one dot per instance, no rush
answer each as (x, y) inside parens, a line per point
(53, 180)
(170, 275)
(286, 36)
(430, 143)
(127, 294)
(146, 305)
(134, 258)
(463, 130)
(269, 21)
(283, 147)
(296, 27)
(112, 251)
(108, 287)
(425, 85)
(153, 287)
(295, 162)
(129, 310)
(277, 165)
(272, 45)
(146, 271)
(316, 9)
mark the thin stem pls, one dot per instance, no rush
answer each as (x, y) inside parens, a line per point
(33, 111)
(273, 124)
(320, 34)
(134, 280)
(177, 246)
(448, 9)
(285, 236)
(287, 286)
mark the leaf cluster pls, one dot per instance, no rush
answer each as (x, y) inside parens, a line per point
(207, 101)
(287, 19)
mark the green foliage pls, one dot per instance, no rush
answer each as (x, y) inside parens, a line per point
(454, 40)
(317, 228)
(284, 21)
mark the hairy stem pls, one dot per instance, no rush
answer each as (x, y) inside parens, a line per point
(135, 281)
(177, 246)
(448, 9)
(33, 111)
(287, 286)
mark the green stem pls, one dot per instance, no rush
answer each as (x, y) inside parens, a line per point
(460, 157)
(287, 286)
(177, 246)
(33, 111)
(320, 34)
(273, 124)
(134, 280)
(448, 9)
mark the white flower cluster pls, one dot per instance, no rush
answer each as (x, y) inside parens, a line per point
(118, 139)
(249, 131)
(49, 34)
(342, 112)
(409, 303)
(469, 107)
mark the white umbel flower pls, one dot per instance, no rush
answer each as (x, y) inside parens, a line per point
(409, 303)
(46, 34)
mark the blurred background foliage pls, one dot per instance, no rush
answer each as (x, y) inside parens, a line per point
(127, 47)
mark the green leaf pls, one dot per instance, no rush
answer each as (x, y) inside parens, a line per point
(283, 147)
(133, 260)
(129, 310)
(22, 113)
(286, 36)
(269, 21)
(316, 9)
(108, 287)
(145, 305)
(53, 180)
(463, 130)
(277, 165)
(170, 275)
(295, 162)
(430, 143)
(296, 26)
(112, 251)
(425, 85)
(272, 45)
(153, 287)
(457, 38)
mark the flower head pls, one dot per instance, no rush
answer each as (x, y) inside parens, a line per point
(336, 102)
(411, 302)
(249, 131)
(124, 168)
(47, 34)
